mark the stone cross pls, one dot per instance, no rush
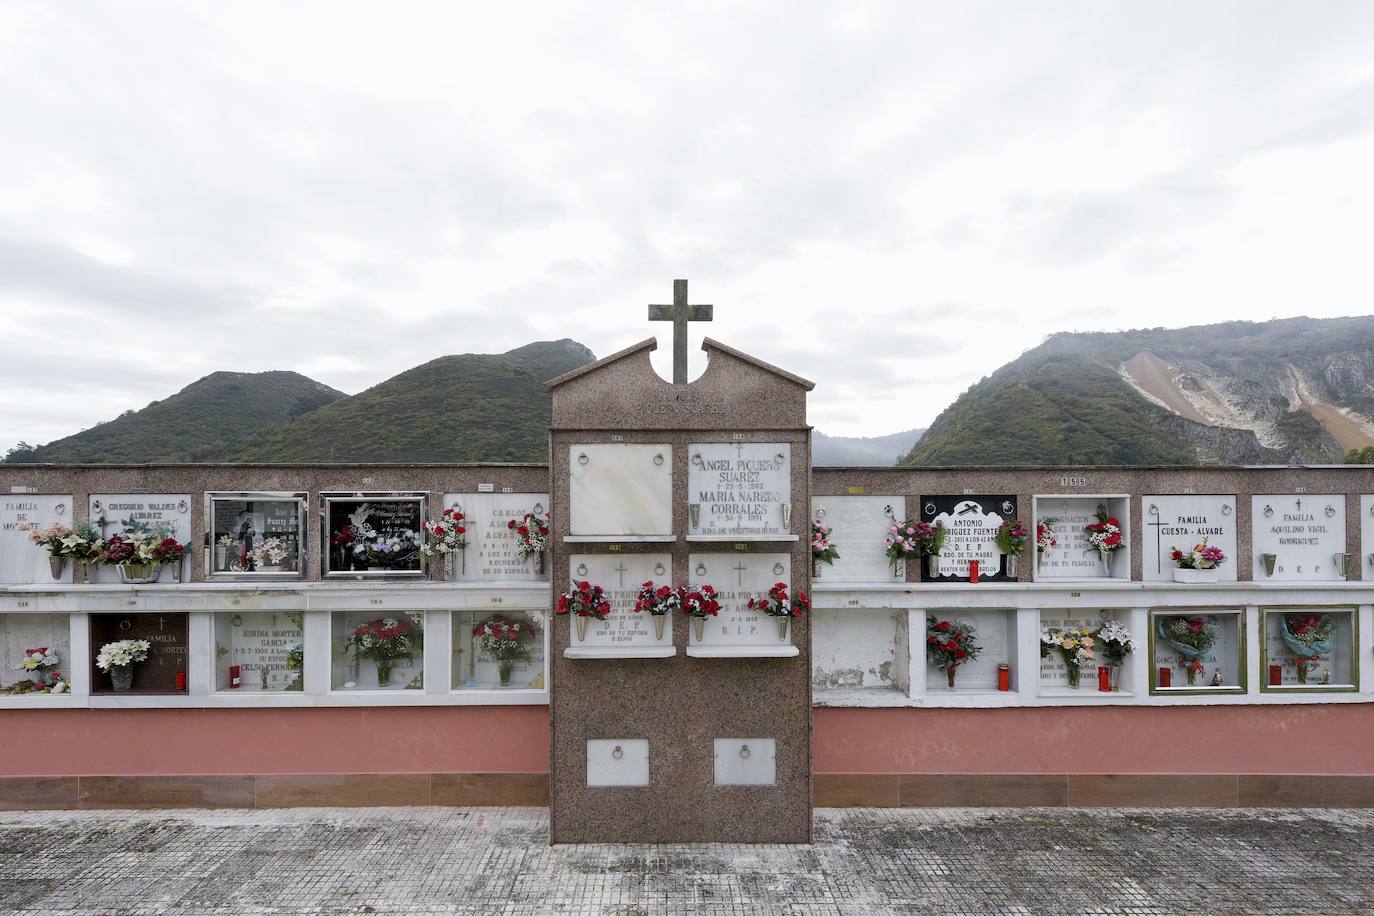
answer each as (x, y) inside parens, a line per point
(622, 569)
(741, 568)
(679, 313)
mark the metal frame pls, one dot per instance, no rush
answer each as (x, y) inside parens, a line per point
(301, 497)
(1354, 685)
(1242, 686)
(328, 497)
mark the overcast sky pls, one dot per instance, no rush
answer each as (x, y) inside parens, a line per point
(892, 200)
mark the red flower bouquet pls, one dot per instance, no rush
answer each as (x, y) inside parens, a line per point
(385, 641)
(776, 604)
(531, 536)
(503, 638)
(583, 601)
(700, 602)
(950, 644)
(658, 602)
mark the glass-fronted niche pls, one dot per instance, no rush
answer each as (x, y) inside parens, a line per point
(257, 535)
(498, 651)
(35, 654)
(1086, 652)
(1309, 648)
(140, 653)
(1198, 650)
(377, 652)
(260, 651)
(373, 534)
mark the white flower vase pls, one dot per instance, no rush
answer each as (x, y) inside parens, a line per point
(581, 628)
(932, 566)
(784, 623)
(175, 567)
(1194, 576)
(699, 627)
(1104, 558)
(660, 620)
(221, 557)
(1013, 566)
(55, 565)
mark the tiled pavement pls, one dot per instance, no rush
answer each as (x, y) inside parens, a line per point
(865, 860)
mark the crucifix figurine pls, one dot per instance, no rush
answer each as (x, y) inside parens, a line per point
(679, 313)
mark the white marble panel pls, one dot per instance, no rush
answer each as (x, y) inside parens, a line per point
(1073, 558)
(21, 632)
(118, 510)
(746, 761)
(617, 762)
(737, 577)
(21, 561)
(1366, 558)
(995, 632)
(621, 575)
(620, 489)
(859, 526)
(490, 555)
(739, 489)
(1182, 522)
(1304, 532)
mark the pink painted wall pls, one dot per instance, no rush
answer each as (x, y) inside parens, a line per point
(120, 742)
(1334, 740)
(1327, 740)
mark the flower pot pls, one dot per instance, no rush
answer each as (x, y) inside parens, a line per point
(1013, 566)
(581, 628)
(1104, 559)
(1270, 560)
(1193, 576)
(383, 674)
(1114, 677)
(783, 624)
(1342, 563)
(699, 626)
(815, 569)
(55, 565)
(504, 666)
(660, 620)
(932, 566)
(175, 567)
(122, 677)
(1075, 676)
(139, 573)
(950, 672)
(1302, 672)
(539, 563)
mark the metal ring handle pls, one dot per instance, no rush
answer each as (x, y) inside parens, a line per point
(744, 751)
(582, 458)
(618, 752)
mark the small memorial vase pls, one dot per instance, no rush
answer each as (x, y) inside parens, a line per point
(1074, 676)
(221, 557)
(175, 566)
(383, 674)
(539, 563)
(1192, 672)
(660, 620)
(932, 565)
(950, 672)
(446, 568)
(139, 573)
(122, 677)
(504, 666)
(1114, 677)
(699, 625)
(815, 568)
(55, 565)
(1013, 566)
(1302, 672)
(581, 628)
(783, 624)
(1104, 557)
(1270, 560)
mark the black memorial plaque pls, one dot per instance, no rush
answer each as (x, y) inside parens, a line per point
(167, 650)
(972, 522)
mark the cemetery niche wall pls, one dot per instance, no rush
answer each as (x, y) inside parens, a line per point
(699, 731)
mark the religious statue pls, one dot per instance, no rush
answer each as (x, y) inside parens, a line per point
(1216, 678)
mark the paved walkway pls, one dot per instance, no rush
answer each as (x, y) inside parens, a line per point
(865, 860)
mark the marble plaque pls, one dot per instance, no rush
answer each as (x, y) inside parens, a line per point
(1304, 532)
(490, 555)
(260, 643)
(858, 526)
(168, 642)
(620, 489)
(1182, 522)
(992, 630)
(1054, 671)
(737, 577)
(116, 513)
(1074, 558)
(739, 489)
(21, 561)
(617, 762)
(621, 575)
(21, 632)
(971, 523)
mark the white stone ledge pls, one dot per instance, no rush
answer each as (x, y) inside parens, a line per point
(781, 651)
(625, 652)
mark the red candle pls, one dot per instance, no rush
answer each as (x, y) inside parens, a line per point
(181, 680)
(973, 571)
(235, 680)
(1104, 679)
(1275, 675)
(1166, 677)
(1003, 676)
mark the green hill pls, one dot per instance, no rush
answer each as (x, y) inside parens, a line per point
(1240, 392)
(198, 423)
(474, 407)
